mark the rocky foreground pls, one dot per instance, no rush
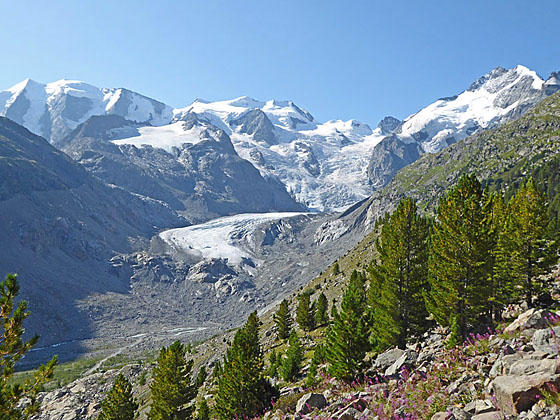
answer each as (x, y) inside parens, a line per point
(513, 373)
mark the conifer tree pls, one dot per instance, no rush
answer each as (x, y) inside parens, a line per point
(501, 286)
(527, 252)
(311, 379)
(243, 391)
(201, 377)
(217, 370)
(347, 336)
(305, 314)
(336, 269)
(283, 321)
(400, 277)
(291, 363)
(203, 411)
(274, 361)
(172, 391)
(119, 404)
(12, 349)
(459, 261)
(321, 307)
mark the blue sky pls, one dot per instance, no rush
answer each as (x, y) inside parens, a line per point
(338, 59)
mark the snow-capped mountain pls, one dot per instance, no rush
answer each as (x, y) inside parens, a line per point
(324, 165)
(53, 110)
(499, 96)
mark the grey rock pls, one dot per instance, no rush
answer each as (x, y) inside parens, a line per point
(515, 394)
(533, 318)
(491, 415)
(310, 401)
(547, 340)
(407, 359)
(387, 358)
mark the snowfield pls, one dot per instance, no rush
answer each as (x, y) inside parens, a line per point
(165, 137)
(220, 238)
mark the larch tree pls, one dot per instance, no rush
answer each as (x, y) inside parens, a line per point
(528, 251)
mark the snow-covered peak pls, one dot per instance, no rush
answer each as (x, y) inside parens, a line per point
(496, 95)
(52, 110)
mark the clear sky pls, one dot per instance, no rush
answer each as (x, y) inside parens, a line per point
(338, 59)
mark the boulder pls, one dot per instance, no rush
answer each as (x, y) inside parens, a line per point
(515, 394)
(547, 340)
(491, 415)
(387, 358)
(310, 401)
(441, 415)
(531, 319)
(530, 367)
(407, 358)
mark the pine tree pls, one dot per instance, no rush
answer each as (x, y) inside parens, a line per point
(203, 411)
(311, 379)
(501, 286)
(305, 314)
(201, 377)
(291, 363)
(527, 252)
(336, 269)
(399, 278)
(12, 349)
(172, 391)
(459, 261)
(283, 320)
(119, 403)
(243, 391)
(347, 336)
(217, 370)
(321, 307)
(273, 364)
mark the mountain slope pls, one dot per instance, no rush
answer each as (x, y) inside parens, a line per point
(497, 97)
(499, 157)
(60, 227)
(195, 169)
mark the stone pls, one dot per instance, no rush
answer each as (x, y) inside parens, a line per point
(531, 319)
(442, 415)
(408, 358)
(515, 394)
(491, 415)
(387, 358)
(310, 401)
(546, 340)
(529, 367)
(479, 406)
(349, 414)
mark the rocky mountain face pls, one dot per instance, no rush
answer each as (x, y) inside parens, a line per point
(60, 227)
(497, 97)
(200, 175)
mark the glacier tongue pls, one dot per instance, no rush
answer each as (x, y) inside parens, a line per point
(222, 237)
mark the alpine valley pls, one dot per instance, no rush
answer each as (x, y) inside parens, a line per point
(133, 222)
